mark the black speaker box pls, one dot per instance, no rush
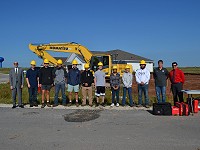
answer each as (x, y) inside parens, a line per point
(162, 109)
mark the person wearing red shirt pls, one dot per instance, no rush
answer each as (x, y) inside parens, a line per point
(177, 79)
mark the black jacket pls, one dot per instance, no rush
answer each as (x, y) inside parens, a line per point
(46, 76)
(87, 77)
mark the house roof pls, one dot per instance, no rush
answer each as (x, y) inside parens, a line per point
(122, 55)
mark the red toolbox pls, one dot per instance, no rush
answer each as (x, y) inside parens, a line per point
(175, 111)
(180, 106)
(195, 106)
(186, 110)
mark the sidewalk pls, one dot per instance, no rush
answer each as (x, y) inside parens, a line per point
(80, 107)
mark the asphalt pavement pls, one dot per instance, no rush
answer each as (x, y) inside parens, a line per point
(96, 129)
(4, 78)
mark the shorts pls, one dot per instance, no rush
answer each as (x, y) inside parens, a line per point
(46, 87)
(71, 88)
(100, 91)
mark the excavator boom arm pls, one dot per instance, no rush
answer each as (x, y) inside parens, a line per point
(41, 50)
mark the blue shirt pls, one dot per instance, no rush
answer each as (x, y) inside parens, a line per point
(32, 76)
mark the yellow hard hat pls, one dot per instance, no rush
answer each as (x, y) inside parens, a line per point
(127, 67)
(46, 61)
(86, 66)
(59, 62)
(114, 67)
(100, 64)
(33, 62)
(74, 62)
(142, 62)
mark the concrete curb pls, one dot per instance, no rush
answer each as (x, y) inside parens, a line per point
(80, 107)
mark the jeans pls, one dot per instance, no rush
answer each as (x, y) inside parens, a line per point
(59, 86)
(115, 93)
(143, 89)
(32, 94)
(161, 90)
(129, 95)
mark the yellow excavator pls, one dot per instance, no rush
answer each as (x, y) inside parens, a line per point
(41, 50)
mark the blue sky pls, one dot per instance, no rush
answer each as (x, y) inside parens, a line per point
(156, 29)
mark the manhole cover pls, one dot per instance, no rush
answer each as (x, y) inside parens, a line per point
(82, 115)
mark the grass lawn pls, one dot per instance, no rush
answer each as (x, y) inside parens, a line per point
(4, 70)
(192, 70)
(5, 96)
(7, 70)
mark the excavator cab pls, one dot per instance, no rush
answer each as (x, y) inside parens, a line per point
(105, 59)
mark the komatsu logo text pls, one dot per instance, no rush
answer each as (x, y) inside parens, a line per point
(59, 48)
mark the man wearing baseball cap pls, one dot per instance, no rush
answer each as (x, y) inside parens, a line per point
(177, 79)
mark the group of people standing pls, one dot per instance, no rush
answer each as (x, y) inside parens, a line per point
(47, 77)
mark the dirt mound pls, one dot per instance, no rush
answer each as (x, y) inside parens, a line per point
(192, 82)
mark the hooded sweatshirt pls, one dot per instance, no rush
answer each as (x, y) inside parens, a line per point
(74, 77)
(127, 79)
(142, 75)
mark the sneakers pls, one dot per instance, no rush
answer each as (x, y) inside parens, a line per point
(43, 105)
(69, 104)
(97, 104)
(139, 105)
(21, 106)
(35, 104)
(83, 105)
(112, 105)
(103, 104)
(117, 105)
(14, 106)
(55, 105)
(77, 104)
(132, 105)
(48, 104)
